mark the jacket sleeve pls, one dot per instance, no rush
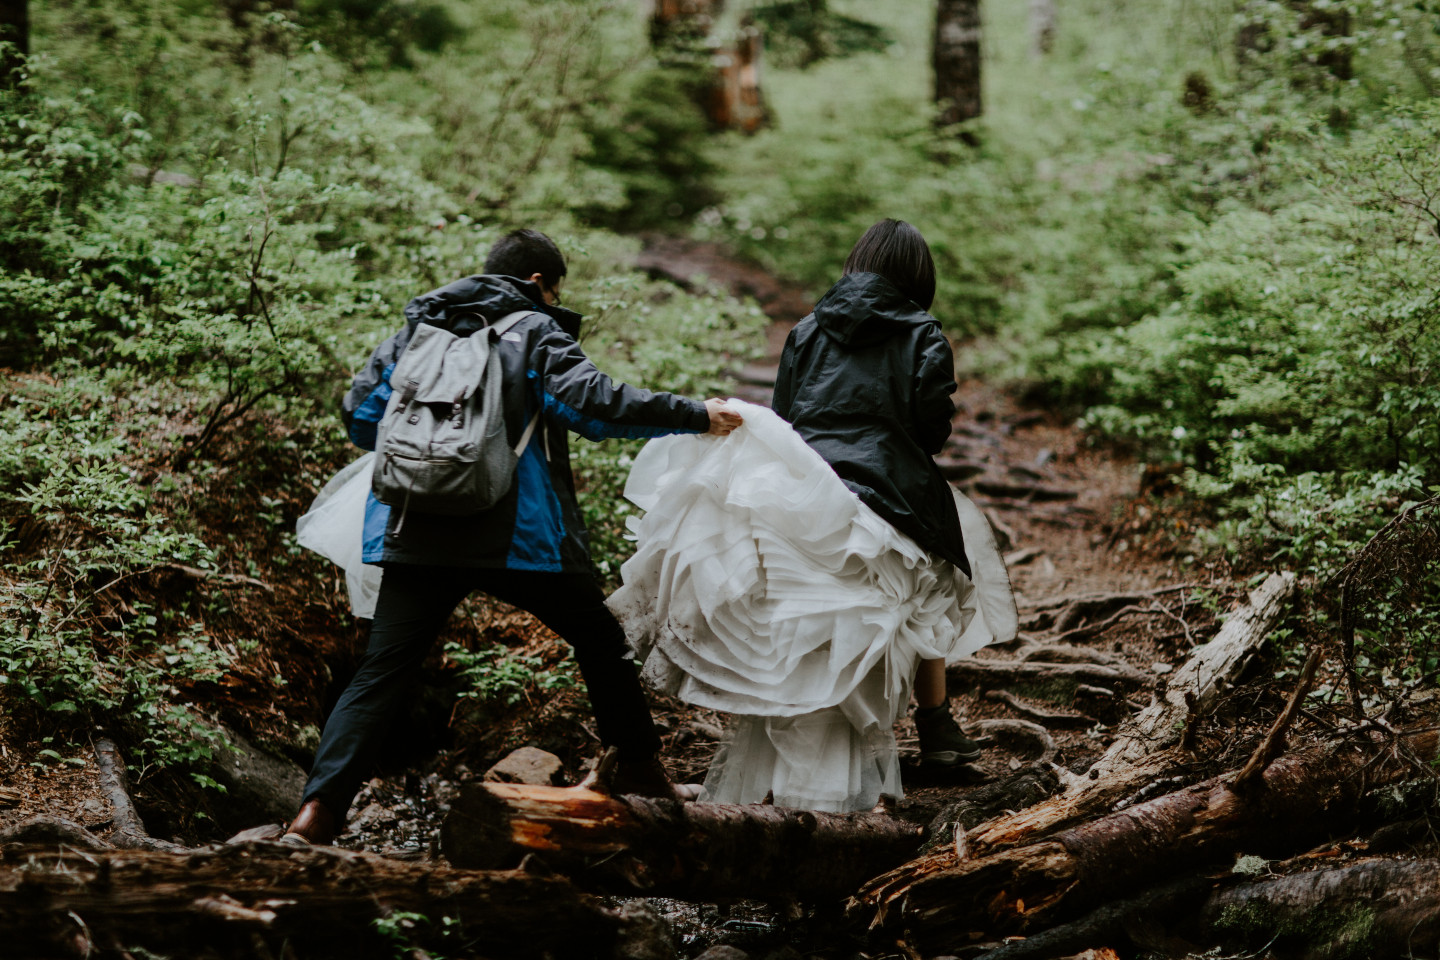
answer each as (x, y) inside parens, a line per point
(576, 394)
(784, 396)
(364, 405)
(934, 386)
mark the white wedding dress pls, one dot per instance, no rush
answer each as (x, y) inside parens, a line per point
(762, 587)
(334, 527)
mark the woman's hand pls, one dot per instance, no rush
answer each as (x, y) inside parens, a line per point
(722, 420)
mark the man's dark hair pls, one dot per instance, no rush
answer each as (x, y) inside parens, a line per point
(896, 250)
(523, 253)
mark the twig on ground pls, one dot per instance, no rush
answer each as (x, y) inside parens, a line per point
(1274, 741)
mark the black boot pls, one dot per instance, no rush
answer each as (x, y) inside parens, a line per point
(941, 742)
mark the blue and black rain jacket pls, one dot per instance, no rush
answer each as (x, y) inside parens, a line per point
(536, 526)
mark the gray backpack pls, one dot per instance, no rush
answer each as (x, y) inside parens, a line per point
(441, 446)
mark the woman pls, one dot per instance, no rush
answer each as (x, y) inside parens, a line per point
(802, 572)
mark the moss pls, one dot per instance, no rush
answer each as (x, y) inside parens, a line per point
(1347, 931)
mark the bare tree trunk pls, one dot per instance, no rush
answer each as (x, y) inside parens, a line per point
(1042, 27)
(957, 60)
(15, 28)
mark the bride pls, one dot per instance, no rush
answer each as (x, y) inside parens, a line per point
(812, 570)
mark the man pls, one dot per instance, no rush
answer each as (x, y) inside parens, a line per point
(529, 550)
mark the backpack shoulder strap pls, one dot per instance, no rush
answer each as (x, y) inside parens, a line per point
(509, 320)
(494, 330)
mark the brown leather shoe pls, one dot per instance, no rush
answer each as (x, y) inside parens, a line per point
(647, 778)
(313, 824)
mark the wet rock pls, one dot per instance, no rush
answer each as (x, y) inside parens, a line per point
(645, 935)
(374, 815)
(94, 810)
(724, 952)
(259, 786)
(527, 765)
(270, 831)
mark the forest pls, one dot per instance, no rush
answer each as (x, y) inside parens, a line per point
(1187, 255)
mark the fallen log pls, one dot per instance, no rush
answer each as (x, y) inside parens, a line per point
(1107, 924)
(1146, 748)
(1371, 908)
(1027, 786)
(1193, 688)
(1299, 799)
(696, 851)
(1071, 806)
(321, 901)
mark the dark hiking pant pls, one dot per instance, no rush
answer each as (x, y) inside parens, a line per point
(413, 605)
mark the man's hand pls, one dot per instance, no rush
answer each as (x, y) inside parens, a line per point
(722, 420)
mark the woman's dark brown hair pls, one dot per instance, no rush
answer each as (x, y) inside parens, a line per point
(896, 251)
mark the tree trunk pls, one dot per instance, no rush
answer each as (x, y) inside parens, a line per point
(250, 899)
(1296, 801)
(1042, 27)
(15, 28)
(957, 60)
(697, 851)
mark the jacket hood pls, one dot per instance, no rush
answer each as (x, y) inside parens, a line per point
(470, 303)
(865, 308)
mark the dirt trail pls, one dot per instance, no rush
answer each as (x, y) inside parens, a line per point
(1069, 516)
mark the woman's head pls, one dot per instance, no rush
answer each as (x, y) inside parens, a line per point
(896, 251)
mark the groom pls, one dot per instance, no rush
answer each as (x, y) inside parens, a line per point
(530, 550)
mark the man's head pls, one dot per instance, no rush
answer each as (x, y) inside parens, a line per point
(529, 255)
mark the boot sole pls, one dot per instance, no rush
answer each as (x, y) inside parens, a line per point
(950, 758)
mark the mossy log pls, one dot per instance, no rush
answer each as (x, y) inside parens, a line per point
(1296, 801)
(696, 851)
(1378, 907)
(249, 900)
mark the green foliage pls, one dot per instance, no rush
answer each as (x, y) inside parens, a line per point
(801, 32)
(1296, 370)
(76, 639)
(379, 32)
(409, 933)
(652, 137)
(496, 675)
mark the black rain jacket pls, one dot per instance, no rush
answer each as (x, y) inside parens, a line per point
(866, 380)
(536, 525)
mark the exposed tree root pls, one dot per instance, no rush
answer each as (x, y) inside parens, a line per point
(129, 833)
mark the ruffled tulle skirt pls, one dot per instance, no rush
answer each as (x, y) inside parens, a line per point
(762, 587)
(334, 527)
